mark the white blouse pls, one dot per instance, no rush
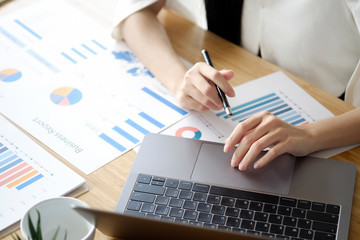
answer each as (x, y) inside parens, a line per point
(318, 41)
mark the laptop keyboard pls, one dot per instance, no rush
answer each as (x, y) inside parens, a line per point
(233, 210)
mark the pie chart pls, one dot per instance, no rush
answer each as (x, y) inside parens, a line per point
(10, 75)
(65, 96)
(189, 132)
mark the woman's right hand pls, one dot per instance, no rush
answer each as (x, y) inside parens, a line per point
(196, 91)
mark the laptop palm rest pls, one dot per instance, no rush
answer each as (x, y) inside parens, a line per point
(213, 166)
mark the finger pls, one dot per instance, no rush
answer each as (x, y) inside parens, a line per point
(269, 156)
(200, 88)
(188, 103)
(240, 130)
(266, 140)
(228, 74)
(216, 76)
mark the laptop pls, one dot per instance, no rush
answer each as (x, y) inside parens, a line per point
(181, 188)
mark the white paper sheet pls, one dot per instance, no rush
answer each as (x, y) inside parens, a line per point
(66, 82)
(28, 174)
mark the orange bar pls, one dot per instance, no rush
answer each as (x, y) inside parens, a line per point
(22, 179)
(16, 175)
(12, 170)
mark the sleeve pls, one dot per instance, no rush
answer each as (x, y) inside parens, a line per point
(124, 9)
(352, 95)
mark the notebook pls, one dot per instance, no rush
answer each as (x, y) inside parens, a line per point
(179, 188)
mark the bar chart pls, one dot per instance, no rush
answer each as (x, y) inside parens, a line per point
(272, 103)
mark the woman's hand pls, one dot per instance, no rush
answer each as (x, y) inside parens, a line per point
(197, 90)
(264, 130)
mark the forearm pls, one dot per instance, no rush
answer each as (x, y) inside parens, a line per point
(145, 35)
(334, 132)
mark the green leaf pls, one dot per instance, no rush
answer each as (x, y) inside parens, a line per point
(38, 227)
(56, 233)
(16, 237)
(33, 234)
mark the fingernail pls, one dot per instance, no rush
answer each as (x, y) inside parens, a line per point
(242, 167)
(257, 165)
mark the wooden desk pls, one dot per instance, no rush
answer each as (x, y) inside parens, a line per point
(106, 183)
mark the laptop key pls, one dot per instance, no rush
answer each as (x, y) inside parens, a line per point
(199, 197)
(324, 227)
(324, 217)
(247, 224)
(320, 207)
(217, 219)
(142, 197)
(140, 187)
(142, 178)
(191, 215)
(218, 209)
(306, 234)
(201, 188)
(324, 236)
(133, 205)
(186, 194)
(160, 200)
(190, 205)
(233, 222)
(332, 208)
(176, 212)
(204, 217)
(290, 202)
(204, 207)
(171, 183)
(148, 208)
(184, 185)
(162, 210)
(134, 213)
(304, 204)
(262, 226)
(213, 199)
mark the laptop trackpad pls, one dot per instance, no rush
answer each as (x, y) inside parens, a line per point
(213, 166)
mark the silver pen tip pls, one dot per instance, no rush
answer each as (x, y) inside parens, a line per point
(228, 111)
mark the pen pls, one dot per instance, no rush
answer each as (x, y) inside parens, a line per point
(221, 94)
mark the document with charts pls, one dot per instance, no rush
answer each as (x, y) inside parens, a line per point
(68, 83)
(28, 174)
(275, 93)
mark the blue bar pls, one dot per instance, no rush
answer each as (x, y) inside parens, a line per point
(125, 134)
(30, 181)
(3, 149)
(78, 53)
(292, 118)
(89, 49)
(10, 165)
(5, 155)
(247, 104)
(12, 38)
(28, 29)
(262, 108)
(112, 142)
(164, 101)
(97, 43)
(287, 115)
(151, 120)
(282, 111)
(137, 126)
(277, 108)
(9, 159)
(43, 61)
(253, 106)
(68, 57)
(298, 121)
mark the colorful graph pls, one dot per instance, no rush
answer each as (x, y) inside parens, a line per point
(271, 103)
(14, 171)
(10, 75)
(66, 96)
(189, 132)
